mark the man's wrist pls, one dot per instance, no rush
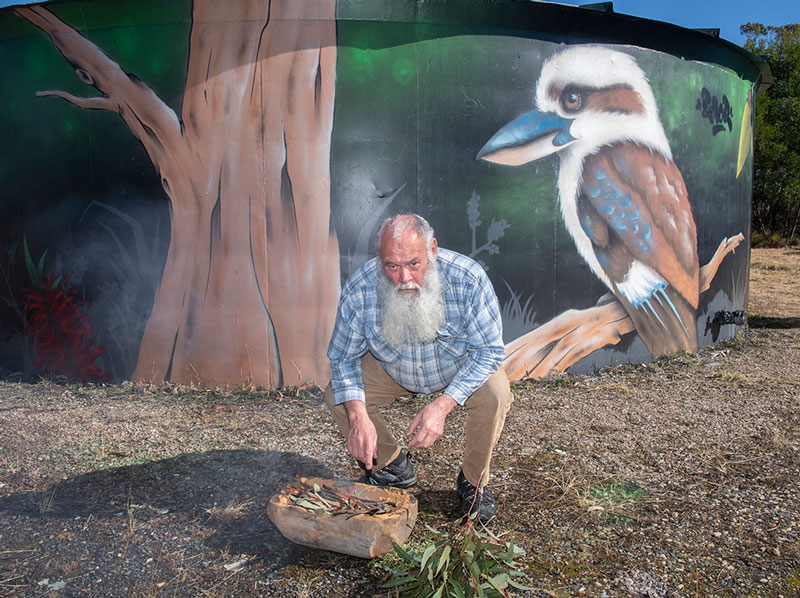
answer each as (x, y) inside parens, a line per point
(446, 402)
(356, 410)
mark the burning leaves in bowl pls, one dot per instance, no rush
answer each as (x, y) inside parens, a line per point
(336, 499)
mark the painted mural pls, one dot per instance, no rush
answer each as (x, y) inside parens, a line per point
(184, 186)
(622, 198)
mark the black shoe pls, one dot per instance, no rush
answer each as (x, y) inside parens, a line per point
(398, 474)
(475, 500)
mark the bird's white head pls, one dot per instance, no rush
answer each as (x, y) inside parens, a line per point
(586, 97)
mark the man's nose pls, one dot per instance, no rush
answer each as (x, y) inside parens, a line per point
(405, 275)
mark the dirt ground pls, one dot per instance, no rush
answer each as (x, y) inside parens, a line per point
(677, 478)
(773, 283)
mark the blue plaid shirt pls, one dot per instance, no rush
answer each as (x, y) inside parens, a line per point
(467, 350)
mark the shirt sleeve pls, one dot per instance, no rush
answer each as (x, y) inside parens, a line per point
(486, 350)
(348, 345)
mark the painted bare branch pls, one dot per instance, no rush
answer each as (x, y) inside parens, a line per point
(95, 103)
(251, 280)
(709, 271)
(574, 334)
(152, 122)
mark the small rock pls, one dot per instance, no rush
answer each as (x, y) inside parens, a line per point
(237, 565)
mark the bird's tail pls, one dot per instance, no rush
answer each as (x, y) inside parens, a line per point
(666, 322)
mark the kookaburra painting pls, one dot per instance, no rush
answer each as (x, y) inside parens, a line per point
(621, 195)
(198, 178)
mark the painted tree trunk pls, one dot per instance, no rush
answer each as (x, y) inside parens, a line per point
(250, 285)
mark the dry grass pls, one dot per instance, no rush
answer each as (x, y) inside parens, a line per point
(774, 274)
(232, 511)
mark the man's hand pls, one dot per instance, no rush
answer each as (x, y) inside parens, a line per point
(429, 422)
(362, 440)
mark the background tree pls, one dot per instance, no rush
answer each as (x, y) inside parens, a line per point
(776, 179)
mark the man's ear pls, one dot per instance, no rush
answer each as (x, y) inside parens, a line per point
(434, 247)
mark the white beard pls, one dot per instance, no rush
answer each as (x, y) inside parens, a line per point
(412, 320)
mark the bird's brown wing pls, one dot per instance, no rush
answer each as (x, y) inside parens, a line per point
(633, 204)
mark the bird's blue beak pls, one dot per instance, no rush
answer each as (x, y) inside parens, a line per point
(526, 138)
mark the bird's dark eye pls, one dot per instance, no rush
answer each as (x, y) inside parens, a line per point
(571, 100)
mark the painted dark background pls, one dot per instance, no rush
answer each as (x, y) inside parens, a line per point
(420, 87)
(75, 182)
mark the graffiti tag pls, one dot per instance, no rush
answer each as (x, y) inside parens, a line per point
(718, 113)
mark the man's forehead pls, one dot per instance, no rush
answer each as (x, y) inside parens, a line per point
(405, 242)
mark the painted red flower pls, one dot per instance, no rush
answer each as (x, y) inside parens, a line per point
(61, 331)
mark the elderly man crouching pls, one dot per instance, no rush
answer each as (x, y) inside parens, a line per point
(419, 319)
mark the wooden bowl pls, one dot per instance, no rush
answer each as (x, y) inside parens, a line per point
(362, 535)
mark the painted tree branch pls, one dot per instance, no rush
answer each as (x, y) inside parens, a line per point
(709, 271)
(574, 334)
(152, 122)
(95, 103)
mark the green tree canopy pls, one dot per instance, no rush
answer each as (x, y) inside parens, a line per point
(776, 181)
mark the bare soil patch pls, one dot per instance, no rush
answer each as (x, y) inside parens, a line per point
(676, 478)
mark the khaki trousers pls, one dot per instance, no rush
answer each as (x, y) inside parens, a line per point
(486, 414)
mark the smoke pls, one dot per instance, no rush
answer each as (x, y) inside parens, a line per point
(112, 253)
(126, 257)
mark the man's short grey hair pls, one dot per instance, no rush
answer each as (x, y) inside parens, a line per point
(402, 223)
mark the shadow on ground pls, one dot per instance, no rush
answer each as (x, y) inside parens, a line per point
(440, 503)
(776, 323)
(217, 496)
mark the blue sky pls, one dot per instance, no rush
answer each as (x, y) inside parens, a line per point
(725, 15)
